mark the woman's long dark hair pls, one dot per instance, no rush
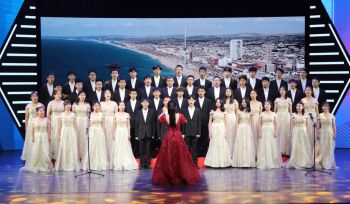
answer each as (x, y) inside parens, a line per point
(172, 110)
(231, 98)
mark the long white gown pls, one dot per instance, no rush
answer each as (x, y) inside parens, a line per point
(283, 126)
(310, 107)
(56, 109)
(67, 157)
(123, 158)
(108, 110)
(268, 155)
(82, 112)
(255, 111)
(39, 158)
(244, 151)
(326, 158)
(231, 124)
(301, 150)
(218, 154)
(97, 145)
(31, 108)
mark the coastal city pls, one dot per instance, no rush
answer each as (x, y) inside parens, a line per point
(241, 51)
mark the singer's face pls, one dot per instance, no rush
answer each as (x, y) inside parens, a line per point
(253, 94)
(97, 107)
(228, 93)
(68, 107)
(35, 98)
(299, 107)
(325, 108)
(244, 103)
(267, 106)
(82, 97)
(108, 94)
(58, 95)
(41, 112)
(121, 106)
(308, 91)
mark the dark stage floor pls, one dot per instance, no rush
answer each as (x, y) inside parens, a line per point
(217, 186)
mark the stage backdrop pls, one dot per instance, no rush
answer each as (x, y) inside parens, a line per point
(22, 64)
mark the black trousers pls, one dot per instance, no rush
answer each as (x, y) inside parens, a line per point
(134, 142)
(145, 151)
(191, 142)
(203, 141)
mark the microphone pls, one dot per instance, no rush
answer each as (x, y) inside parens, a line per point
(311, 117)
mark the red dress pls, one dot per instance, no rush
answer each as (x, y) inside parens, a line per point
(174, 162)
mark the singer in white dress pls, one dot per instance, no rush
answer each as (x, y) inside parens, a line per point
(268, 155)
(82, 110)
(39, 158)
(326, 138)
(231, 107)
(67, 157)
(255, 110)
(29, 121)
(54, 109)
(108, 109)
(218, 154)
(97, 152)
(301, 150)
(123, 157)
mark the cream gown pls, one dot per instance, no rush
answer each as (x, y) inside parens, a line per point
(123, 158)
(28, 136)
(283, 125)
(39, 158)
(56, 110)
(218, 154)
(230, 110)
(255, 111)
(301, 150)
(326, 158)
(97, 145)
(244, 151)
(310, 107)
(108, 110)
(82, 112)
(67, 157)
(268, 155)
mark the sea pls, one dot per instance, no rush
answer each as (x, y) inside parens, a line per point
(62, 55)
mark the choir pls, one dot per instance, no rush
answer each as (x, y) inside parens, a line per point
(245, 123)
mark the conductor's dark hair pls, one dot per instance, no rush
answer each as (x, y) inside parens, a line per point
(172, 110)
(247, 101)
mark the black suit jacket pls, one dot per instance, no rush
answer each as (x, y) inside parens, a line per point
(207, 86)
(322, 97)
(210, 93)
(205, 110)
(258, 84)
(275, 87)
(109, 86)
(45, 97)
(300, 87)
(133, 114)
(181, 83)
(93, 97)
(194, 92)
(162, 82)
(271, 96)
(238, 96)
(184, 104)
(298, 97)
(143, 93)
(193, 126)
(88, 89)
(73, 97)
(145, 129)
(165, 92)
(138, 84)
(158, 111)
(117, 98)
(233, 84)
(66, 90)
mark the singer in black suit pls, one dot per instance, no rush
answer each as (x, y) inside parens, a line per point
(180, 101)
(145, 126)
(147, 86)
(170, 89)
(278, 82)
(156, 103)
(217, 87)
(294, 94)
(252, 77)
(179, 74)
(133, 82)
(88, 85)
(202, 77)
(227, 81)
(121, 93)
(132, 107)
(192, 129)
(45, 93)
(303, 82)
(318, 93)
(66, 89)
(112, 84)
(204, 105)
(243, 91)
(271, 94)
(190, 89)
(157, 80)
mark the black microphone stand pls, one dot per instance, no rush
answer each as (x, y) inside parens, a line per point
(89, 171)
(313, 169)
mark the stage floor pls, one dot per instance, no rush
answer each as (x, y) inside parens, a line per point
(217, 186)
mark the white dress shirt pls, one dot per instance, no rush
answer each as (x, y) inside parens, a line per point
(133, 104)
(190, 90)
(99, 94)
(179, 80)
(216, 92)
(202, 82)
(293, 91)
(156, 80)
(201, 101)
(227, 82)
(252, 82)
(148, 90)
(93, 85)
(316, 92)
(133, 83)
(191, 111)
(179, 100)
(266, 93)
(71, 86)
(114, 84)
(50, 89)
(122, 94)
(170, 90)
(144, 113)
(243, 90)
(303, 83)
(278, 81)
(156, 103)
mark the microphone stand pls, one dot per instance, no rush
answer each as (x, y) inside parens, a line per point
(313, 169)
(89, 171)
